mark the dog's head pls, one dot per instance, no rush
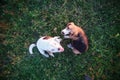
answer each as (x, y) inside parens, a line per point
(55, 46)
(68, 30)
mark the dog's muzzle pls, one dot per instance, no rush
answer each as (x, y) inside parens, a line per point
(61, 49)
(65, 34)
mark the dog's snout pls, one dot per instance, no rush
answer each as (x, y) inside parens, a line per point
(58, 49)
(62, 32)
(61, 49)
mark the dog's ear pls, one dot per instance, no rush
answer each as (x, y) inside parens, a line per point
(47, 37)
(78, 35)
(71, 33)
(73, 36)
(70, 23)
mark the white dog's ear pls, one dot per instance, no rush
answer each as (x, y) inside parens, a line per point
(58, 39)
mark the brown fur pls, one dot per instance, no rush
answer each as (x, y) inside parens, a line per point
(75, 31)
(47, 37)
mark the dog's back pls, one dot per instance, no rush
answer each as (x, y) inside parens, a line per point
(81, 43)
(42, 43)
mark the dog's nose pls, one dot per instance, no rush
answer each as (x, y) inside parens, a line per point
(62, 33)
(61, 49)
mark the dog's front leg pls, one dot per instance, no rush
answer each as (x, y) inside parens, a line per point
(70, 46)
(51, 54)
(43, 53)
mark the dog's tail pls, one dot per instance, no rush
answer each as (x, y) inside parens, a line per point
(31, 47)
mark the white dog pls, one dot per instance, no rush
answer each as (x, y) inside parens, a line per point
(48, 44)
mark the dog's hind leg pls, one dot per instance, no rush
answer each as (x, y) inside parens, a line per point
(75, 51)
(43, 53)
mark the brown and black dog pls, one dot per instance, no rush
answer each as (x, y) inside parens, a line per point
(79, 39)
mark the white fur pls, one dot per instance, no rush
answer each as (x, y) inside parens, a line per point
(50, 45)
(66, 36)
(66, 31)
(31, 47)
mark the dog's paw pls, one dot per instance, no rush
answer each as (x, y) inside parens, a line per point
(47, 56)
(51, 54)
(76, 51)
(70, 46)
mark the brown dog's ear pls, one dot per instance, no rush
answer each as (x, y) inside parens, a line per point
(79, 35)
(73, 36)
(68, 24)
(71, 23)
(71, 33)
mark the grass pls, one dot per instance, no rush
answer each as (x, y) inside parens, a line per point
(24, 21)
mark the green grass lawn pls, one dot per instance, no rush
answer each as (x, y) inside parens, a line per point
(22, 22)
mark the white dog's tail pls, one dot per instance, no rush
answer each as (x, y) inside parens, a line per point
(31, 47)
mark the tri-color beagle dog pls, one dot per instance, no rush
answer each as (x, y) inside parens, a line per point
(48, 44)
(79, 39)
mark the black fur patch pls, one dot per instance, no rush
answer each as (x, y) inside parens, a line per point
(79, 44)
